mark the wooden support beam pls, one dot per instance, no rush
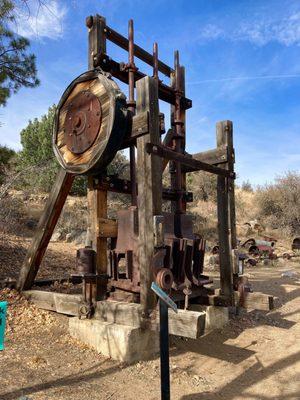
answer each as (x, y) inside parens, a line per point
(149, 178)
(213, 157)
(118, 185)
(224, 232)
(187, 160)
(97, 39)
(140, 53)
(118, 70)
(189, 324)
(255, 301)
(108, 228)
(97, 203)
(44, 230)
(59, 302)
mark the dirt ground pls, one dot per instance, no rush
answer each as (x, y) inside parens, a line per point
(257, 356)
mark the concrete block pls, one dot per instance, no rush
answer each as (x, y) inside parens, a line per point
(120, 342)
(216, 317)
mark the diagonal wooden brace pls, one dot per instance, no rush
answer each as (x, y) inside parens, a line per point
(45, 228)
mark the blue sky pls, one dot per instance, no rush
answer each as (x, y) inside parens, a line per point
(242, 62)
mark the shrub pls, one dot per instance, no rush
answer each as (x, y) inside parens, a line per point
(279, 203)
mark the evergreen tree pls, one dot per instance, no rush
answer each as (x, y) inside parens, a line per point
(17, 66)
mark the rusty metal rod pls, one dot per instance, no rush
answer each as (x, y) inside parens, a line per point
(178, 139)
(142, 54)
(131, 108)
(155, 60)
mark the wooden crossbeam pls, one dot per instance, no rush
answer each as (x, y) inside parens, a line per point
(45, 228)
(140, 53)
(186, 160)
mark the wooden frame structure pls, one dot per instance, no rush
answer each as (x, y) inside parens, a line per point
(149, 156)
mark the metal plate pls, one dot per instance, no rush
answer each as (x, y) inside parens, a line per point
(83, 122)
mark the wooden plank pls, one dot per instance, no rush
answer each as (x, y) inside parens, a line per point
(226, 278)
(97, 40)
(184, 159)
(213, 157)
(186, 323)
(140, 53)
(190, 324)
(165, 92)
(149, 178)
(44, 230)
(107, 228)
(226, 209)
(59, 302)
(97, 203)
(255, 300)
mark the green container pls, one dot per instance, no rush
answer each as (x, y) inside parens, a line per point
(3, 308)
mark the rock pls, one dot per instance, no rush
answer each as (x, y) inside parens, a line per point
(77, 236)
(81, 239)
(57, 236)
(289, 274)
(31, 223)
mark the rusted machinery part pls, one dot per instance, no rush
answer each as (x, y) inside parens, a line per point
(286, 256)
(257, 242)
(90, 123)
(296, 243)
(248, 243)
(85, 310)
(253, 250)
(243, 287)
(215, 249)
(252, 262)
(164, 278)
(86, 261)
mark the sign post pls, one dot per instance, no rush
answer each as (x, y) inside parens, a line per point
(3, 308)
(164, 303)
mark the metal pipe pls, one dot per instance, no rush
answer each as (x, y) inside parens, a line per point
(164, 351)
(131, 107)
(178, 130)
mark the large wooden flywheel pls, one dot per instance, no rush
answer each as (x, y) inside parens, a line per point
(90, 123)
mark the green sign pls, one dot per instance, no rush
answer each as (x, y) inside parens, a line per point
(3, 308)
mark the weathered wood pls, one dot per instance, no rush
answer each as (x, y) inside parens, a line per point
(118, 185)
(226, 279)
(255, 300)
(97, 39)
(97, 202)
(107, 228)
(189, 324)
(140, 53)
(111, 129)
(165, 92)
(187, 160)
(149, 178)
(226, 211)
(44, 230)
(215, 318)
(59, 302)
(214, 156)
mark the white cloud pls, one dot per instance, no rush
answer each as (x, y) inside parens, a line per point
(41, 21)
(258, 29)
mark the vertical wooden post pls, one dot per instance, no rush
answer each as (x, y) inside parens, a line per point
(97, 203)
(226, 212)
(149, 177)
(97, 199)
(97, 39)
(44, 230)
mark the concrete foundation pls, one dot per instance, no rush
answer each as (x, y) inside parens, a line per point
(120, 342)
(216, 317)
